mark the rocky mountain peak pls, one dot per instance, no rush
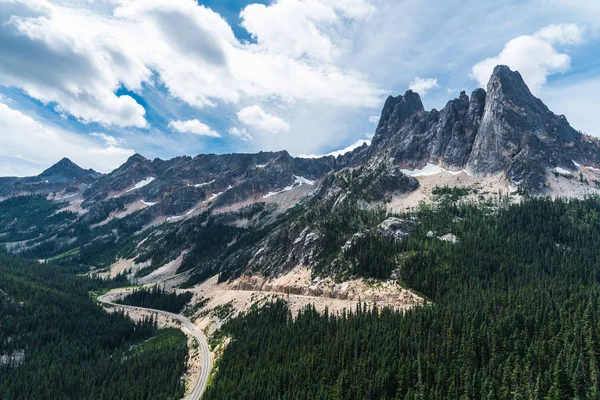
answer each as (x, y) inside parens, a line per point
(63, 165)
(136, 158)
(65, 171)
(397, 110)
(507, 83)
(504, 129)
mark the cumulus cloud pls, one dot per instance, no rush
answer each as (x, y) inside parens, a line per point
(76, 58)
(534, 56)
(256, 117)
(35, 146)
(72, 60)
(241, 133)
(374, 119)
(301, 28)
(562, 34)
(422, 85)
(193, 126)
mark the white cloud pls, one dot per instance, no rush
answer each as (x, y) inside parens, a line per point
(241, 133)
(374, 119)
(71, 59)
(256, 117)
(326, 98)
(562, 34)
(76, 57)
(534, 56)
(301, 28)
(348, 149)
(193, 126)
(35, 146)
(340, 152)
(108, 140)
(422, 85)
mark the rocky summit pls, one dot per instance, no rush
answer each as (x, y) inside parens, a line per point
(505, 129)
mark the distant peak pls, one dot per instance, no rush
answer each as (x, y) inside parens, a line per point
(65, 161)
(65, 170)
(502, 69)
(507, 82)
(406, 104)
(63, 165)
(397, 110)
(136, 158)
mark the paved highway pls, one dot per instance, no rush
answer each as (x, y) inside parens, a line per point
(199, 336)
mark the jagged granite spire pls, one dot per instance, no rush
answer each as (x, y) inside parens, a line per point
(520, 135)
(506, 129)
(396, 111)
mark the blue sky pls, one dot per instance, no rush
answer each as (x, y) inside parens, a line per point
(99, 80)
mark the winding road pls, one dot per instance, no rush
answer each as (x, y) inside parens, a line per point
(206, 366)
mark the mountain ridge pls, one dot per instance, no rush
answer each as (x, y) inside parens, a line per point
(502, 129)
(270, 212)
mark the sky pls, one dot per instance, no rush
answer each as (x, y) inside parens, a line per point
(99, 80)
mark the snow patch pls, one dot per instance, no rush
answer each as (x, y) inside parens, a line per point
(298, 181)
(148, 203)
(576, 163)
(429, 170)
(261, 165)
(593, 169)
(141, 184)
(198, 185)
(215, 195)
(176, 217)
(562, 171)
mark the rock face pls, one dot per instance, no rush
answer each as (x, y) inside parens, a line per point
(397, 227)
(506, 129)
(522, 137)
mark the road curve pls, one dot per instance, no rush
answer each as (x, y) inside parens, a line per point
(191, 328)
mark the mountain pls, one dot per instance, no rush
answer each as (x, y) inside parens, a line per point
(65, 176)
(504, 130)
(270, 212)
(67, 171)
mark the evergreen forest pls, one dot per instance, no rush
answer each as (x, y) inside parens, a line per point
(513, 313)
(57, 343)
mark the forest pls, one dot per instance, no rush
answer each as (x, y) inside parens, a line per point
(157, 298)
(57, 343)
(513, 313)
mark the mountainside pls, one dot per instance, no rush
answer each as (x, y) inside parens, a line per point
(269, 213)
